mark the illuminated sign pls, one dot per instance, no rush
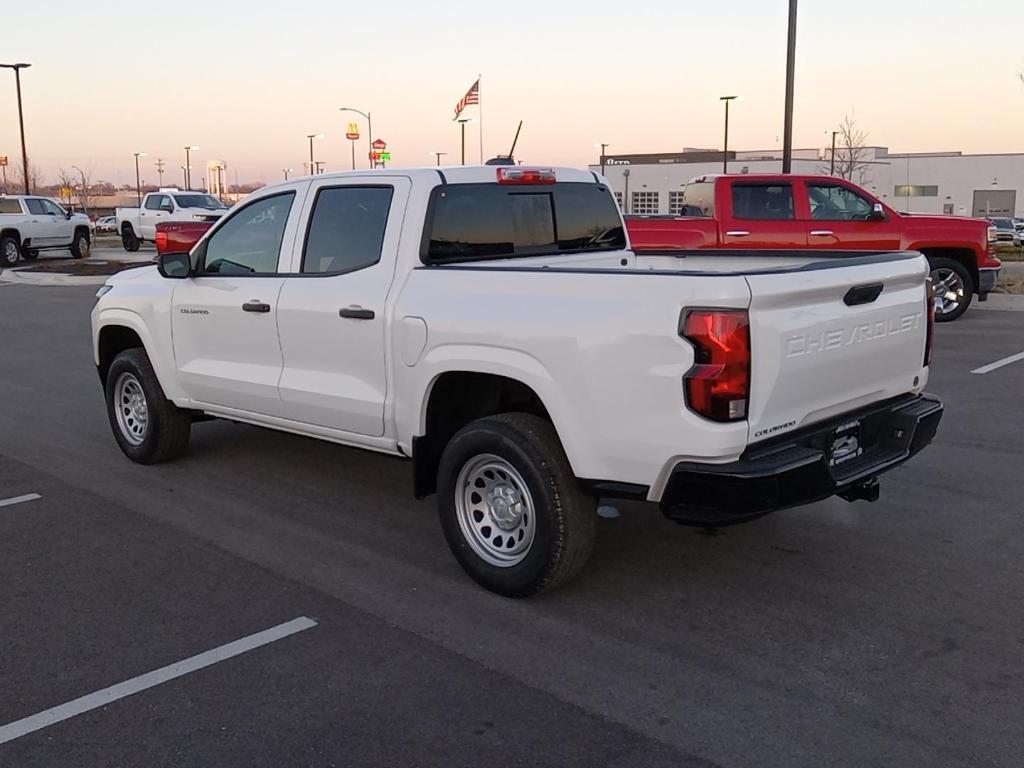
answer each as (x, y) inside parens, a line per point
(352, 132)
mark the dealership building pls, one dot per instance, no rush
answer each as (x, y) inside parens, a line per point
(917, 182)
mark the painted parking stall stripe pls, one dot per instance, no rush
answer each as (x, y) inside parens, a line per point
(1000, 363)
(49, 717)
(19, 499)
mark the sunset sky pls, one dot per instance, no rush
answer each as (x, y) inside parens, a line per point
(248, 81)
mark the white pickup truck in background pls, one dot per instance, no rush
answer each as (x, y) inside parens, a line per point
(138, 225)
(30, 224)
(492, 325)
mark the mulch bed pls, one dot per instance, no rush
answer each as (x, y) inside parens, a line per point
(84, 268)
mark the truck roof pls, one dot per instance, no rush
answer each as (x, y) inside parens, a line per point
(709, 177)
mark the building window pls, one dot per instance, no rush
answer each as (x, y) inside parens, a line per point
(618, 199)
(644, 203)
(916, 190)
(675, 202)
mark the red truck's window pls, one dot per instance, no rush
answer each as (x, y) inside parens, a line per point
(487, 221)
(762, 201)
(833, 202)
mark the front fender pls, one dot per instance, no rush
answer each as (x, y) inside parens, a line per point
(160, 352)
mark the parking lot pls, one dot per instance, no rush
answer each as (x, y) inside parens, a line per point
(343, 633)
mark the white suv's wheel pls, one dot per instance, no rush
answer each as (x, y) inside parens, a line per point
(10, 251)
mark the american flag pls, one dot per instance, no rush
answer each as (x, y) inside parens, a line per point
(472, 97)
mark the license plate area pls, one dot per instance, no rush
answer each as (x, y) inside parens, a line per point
(845, 443)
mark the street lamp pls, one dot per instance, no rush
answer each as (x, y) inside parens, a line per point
(188, 165)
(832, 164)
(369, 129)
(625, 196)
(21, 120)
(184, 173)
(312, 163)
(603, 145)
(286, 172)
(725, 144)
(439, 155)
(462, 123)
(138, 181)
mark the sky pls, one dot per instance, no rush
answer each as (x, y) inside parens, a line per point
(248, 81)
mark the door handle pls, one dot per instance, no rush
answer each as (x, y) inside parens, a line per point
(255, 306)
(822, 233)
(737, 233)
(356, 313)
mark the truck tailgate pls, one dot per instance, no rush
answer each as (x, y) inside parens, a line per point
(822, 343)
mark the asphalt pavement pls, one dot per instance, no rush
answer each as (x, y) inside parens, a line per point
(887, 634)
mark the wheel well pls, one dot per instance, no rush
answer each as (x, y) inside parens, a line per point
(457, 398)
(9, 232)
(83, 229)
(115, 339)
(126, 225)
(962, 255)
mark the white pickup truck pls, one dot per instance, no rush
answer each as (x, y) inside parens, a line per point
(138, 225)
(30, 224)
(492, 325)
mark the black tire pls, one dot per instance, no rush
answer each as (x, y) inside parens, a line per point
(946, 311)
(29, 254)
(81, 246)
(10, 251)
(128, 239)
(564, 518)
(167, 428)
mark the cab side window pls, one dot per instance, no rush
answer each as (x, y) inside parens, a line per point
(346, 229)
(762, 201)
(159, 203)
(249, 243)
(832, 202)
(35, 206)
(52, 208)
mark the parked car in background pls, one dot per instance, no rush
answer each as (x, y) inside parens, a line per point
(1006, 231)
(773, 211)
(106, 224)
(491, 325)
(30, 224)
(138, 225)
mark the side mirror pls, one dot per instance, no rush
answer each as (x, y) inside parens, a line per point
(175, 266)
(68, 213)
(877, 213)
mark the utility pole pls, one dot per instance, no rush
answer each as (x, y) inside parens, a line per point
(21, 119)
(832, 164)
(604, 146)
(188, 165)
(160, 170)
(725, 144)
(138, 181)
(787, 131)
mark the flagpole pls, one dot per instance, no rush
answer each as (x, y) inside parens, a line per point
(480, 104)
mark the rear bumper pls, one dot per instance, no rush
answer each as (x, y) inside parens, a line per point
(801, 467)
(988, 277)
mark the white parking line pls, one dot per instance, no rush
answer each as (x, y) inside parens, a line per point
(19, 499)
(27, 725)
(999, 363)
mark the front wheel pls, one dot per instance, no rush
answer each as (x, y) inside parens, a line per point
(148, 427)
(10, 251)
(954, 288)
(128, 239)
(81, 246)
(510, 507)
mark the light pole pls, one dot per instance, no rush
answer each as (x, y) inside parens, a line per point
(312, 163)
(625, 196)
(138, 181)
(188, 165)
(438, 156)
(603, 145)
(832, 164)
(184, 174)
(286, 171)
(787, 130)
(462, 124)
(369, 130)
(21, 119)
(160, 170)
(725, 144)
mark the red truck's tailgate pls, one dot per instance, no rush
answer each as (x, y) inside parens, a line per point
(820, 349)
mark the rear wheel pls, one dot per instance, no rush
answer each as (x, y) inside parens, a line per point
(148, 427)
(954, 288)
(10, 251)
(81, 246)
(511, 508)
(129, 240)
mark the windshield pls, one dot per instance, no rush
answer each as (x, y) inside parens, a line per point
(1002, 223)
(198, 201)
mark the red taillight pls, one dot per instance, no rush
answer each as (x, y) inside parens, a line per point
(526, 176)
(161, 241)
(718, 384)
(930, 336)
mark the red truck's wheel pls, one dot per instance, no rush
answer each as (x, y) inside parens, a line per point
(510, 507)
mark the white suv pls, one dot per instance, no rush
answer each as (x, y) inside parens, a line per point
(30, 224)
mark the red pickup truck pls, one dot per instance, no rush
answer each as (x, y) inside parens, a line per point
(820, 212)
(179, 236)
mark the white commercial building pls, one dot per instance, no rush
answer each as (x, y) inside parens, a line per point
(915, 182)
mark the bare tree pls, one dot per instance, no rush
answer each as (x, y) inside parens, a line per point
(851, 160)
(67, 180)
(85, 190)
(35, 178)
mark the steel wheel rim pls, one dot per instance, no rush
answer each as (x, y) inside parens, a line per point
(83, 246)
(949, 290)
(131, 408)
(495, 510)
(10, 252)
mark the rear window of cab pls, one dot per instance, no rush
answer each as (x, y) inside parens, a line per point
(469, 222)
